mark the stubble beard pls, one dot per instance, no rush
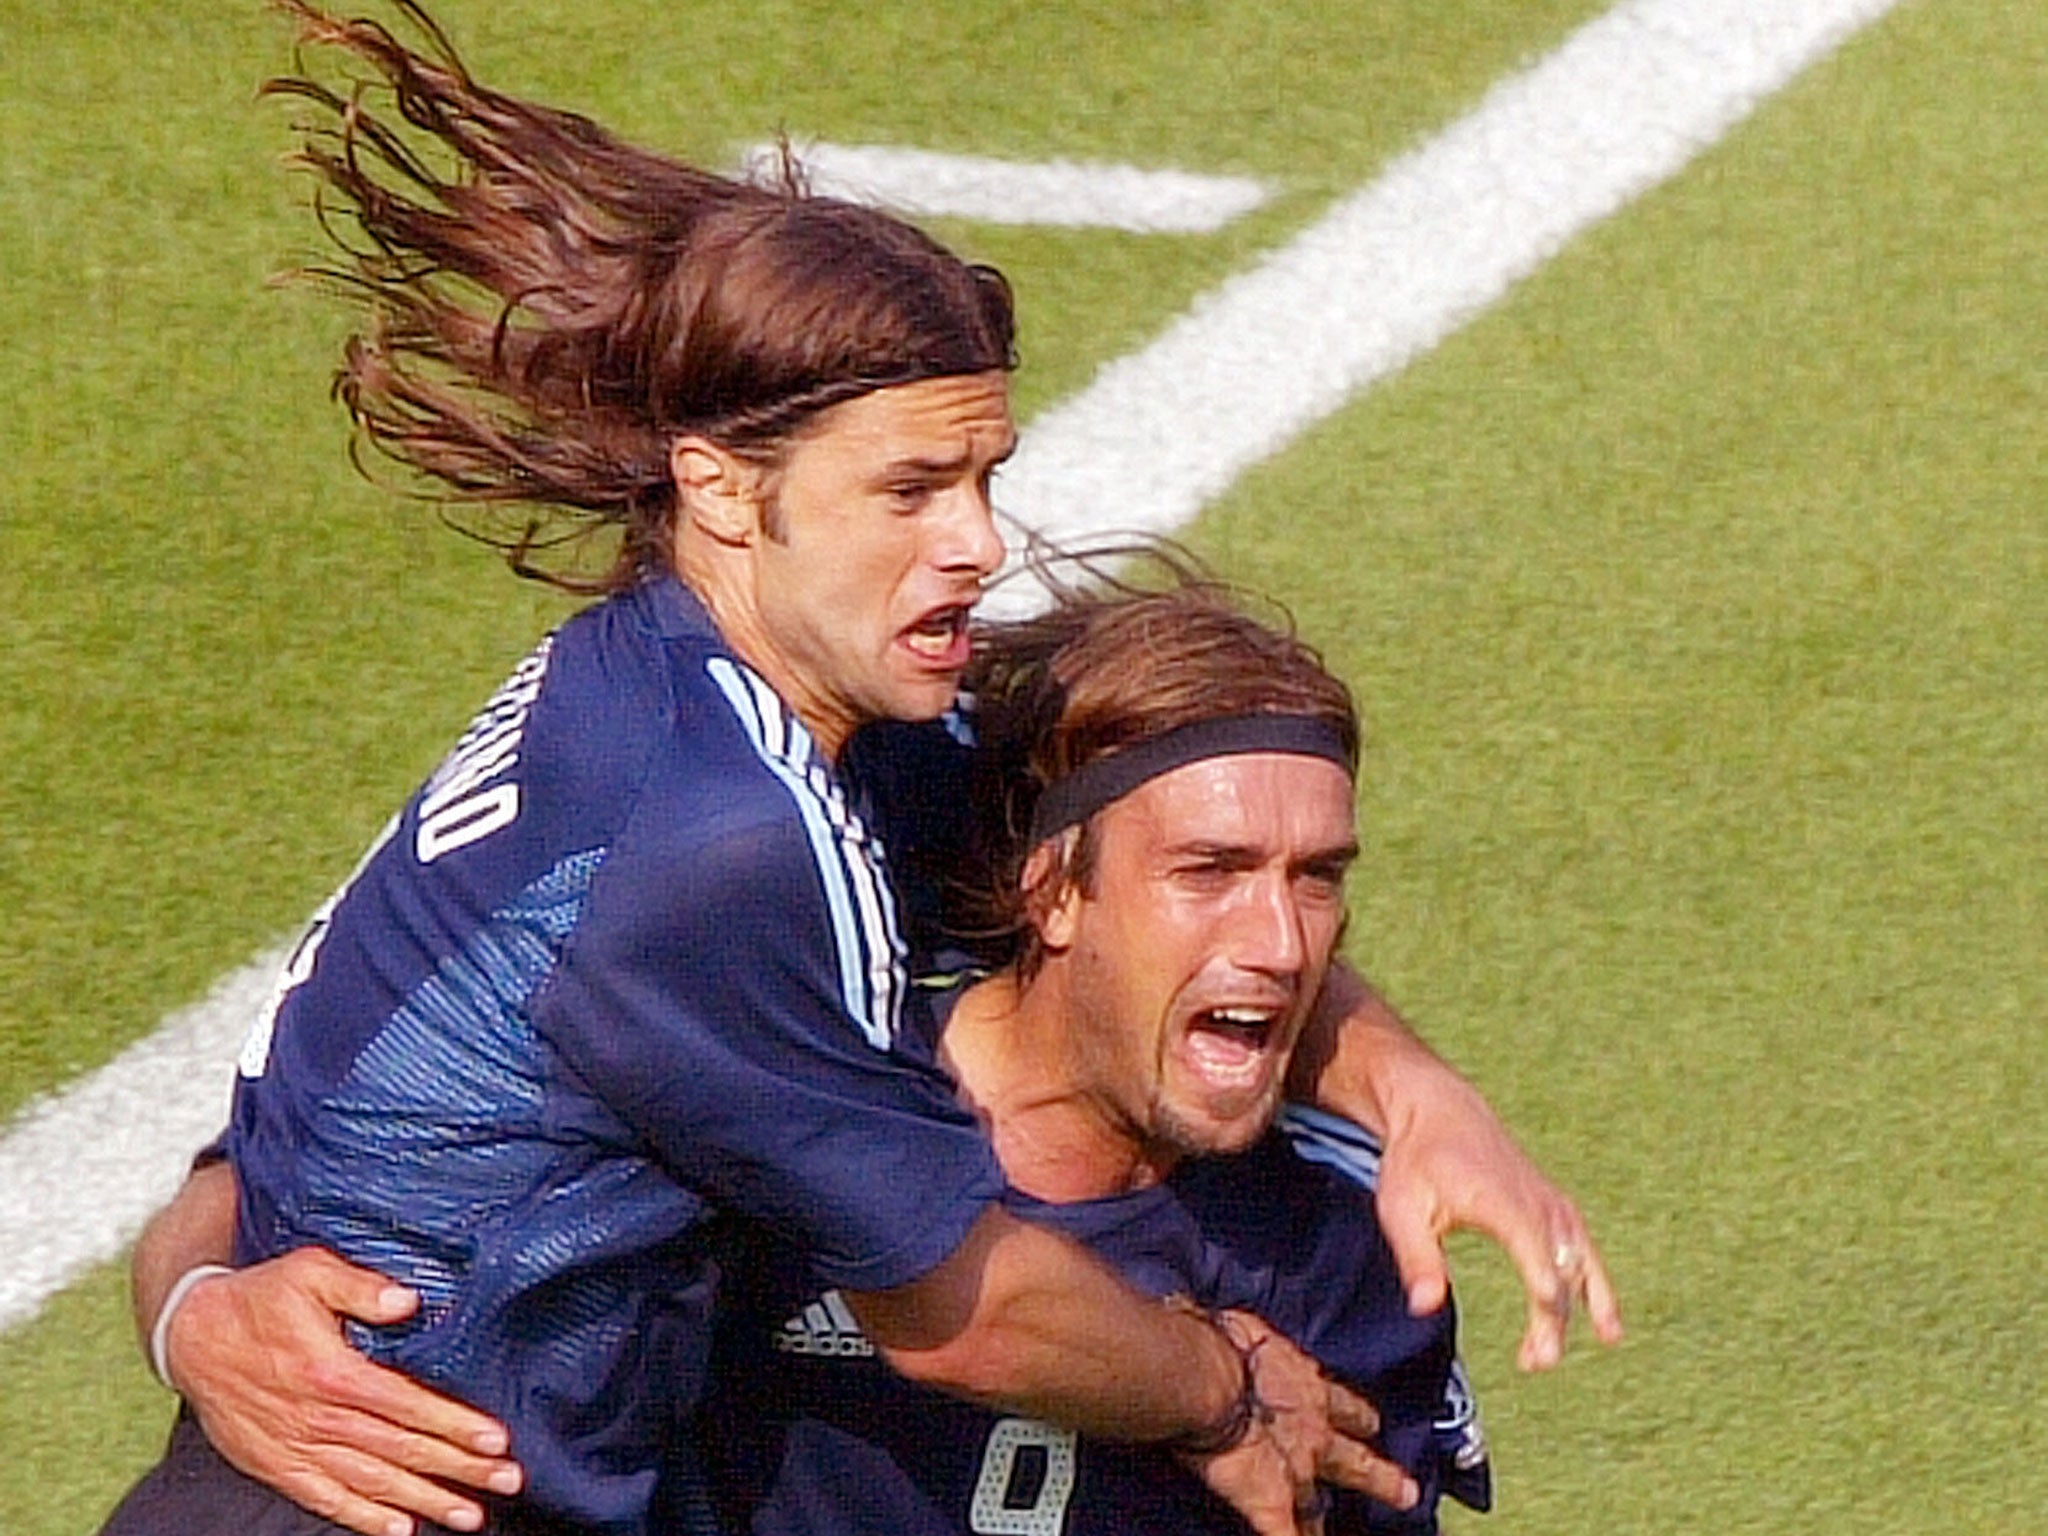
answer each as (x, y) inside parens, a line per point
(1180, 1135)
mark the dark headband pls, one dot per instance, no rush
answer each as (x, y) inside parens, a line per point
(1072, 800)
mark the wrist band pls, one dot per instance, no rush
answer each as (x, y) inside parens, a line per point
(1245, 1410)
(160, 1331)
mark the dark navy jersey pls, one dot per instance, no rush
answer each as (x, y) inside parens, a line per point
(627, 967)
(809, 1434)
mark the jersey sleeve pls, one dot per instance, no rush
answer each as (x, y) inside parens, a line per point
(733, 994)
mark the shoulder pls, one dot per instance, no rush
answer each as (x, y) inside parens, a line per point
(645, 699)
(1301, 1236)
(1298, 1181)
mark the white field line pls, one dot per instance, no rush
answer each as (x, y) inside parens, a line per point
(80, 1170)
(1396, 267)
(926, 184)
(1390, 271)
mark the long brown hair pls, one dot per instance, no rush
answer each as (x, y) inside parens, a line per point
(548, 307)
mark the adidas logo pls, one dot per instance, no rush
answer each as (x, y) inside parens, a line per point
(824, 1327)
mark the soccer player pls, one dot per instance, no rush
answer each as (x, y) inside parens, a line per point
(631, 960)
(1168, 789)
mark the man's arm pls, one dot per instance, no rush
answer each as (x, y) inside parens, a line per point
(259, 1355)
(1016, 1316)
(1450, 1163)
(1011, 1319)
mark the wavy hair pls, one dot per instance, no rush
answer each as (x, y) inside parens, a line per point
(1114, 661)
(548, 307)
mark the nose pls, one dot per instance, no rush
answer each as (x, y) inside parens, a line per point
(969, 541)
(1271, 936)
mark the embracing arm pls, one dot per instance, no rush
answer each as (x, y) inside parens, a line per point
(1021, 1318)
(259, 1356)
(1015, 1316)
(1449, 1163)
(196, 1229)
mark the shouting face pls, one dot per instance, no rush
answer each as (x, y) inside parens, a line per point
(847, 574)
(1198, 944)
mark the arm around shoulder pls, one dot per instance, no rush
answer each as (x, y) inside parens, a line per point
(259, 1355)
(1450, 1162)
(1022, 1318)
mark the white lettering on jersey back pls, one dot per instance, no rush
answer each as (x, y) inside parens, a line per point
(461, 805)
(824, 1327)
(299, 965)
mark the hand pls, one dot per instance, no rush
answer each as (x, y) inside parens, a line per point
(1308, 1431)
(1450, 1162)
(260, 1356)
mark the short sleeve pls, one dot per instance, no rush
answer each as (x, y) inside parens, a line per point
(731, 1003)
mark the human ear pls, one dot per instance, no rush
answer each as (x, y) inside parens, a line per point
(1052, 898)
(716, 490)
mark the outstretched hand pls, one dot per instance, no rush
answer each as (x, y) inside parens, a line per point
(259, 1355)
(1307, 1431)
(1449, 1163)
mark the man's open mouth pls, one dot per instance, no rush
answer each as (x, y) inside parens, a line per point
(1230, 1046)
(940, 637)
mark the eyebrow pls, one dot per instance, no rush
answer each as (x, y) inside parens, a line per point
(941, 468)
(1221, 852)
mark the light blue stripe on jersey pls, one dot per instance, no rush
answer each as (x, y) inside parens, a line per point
(1333, 1141)
(863, 915)
(885, 947)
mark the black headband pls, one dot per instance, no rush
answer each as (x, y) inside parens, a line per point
(1072, 800)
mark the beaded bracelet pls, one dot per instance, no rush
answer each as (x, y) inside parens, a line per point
(1245, 1410)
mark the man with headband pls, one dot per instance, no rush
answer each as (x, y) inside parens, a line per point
(1186, 776)
(631, 962)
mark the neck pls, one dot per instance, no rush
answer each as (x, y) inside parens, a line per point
(723, 579)
(1011, 1051)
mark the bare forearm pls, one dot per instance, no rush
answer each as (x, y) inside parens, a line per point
(1021, 1318)
(1359, 1060)
(197, 1227)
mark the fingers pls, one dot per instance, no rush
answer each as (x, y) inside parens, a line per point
(351, 1291)
(398, 1495)
(1351, 1415)
(361, 1474)
(331, 1501)
(1568, 1272)
(1603, 1307)
(446, 1439)
(407, 1458)
(356, 1404)
(1417, 1244)
(1351, 1465)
